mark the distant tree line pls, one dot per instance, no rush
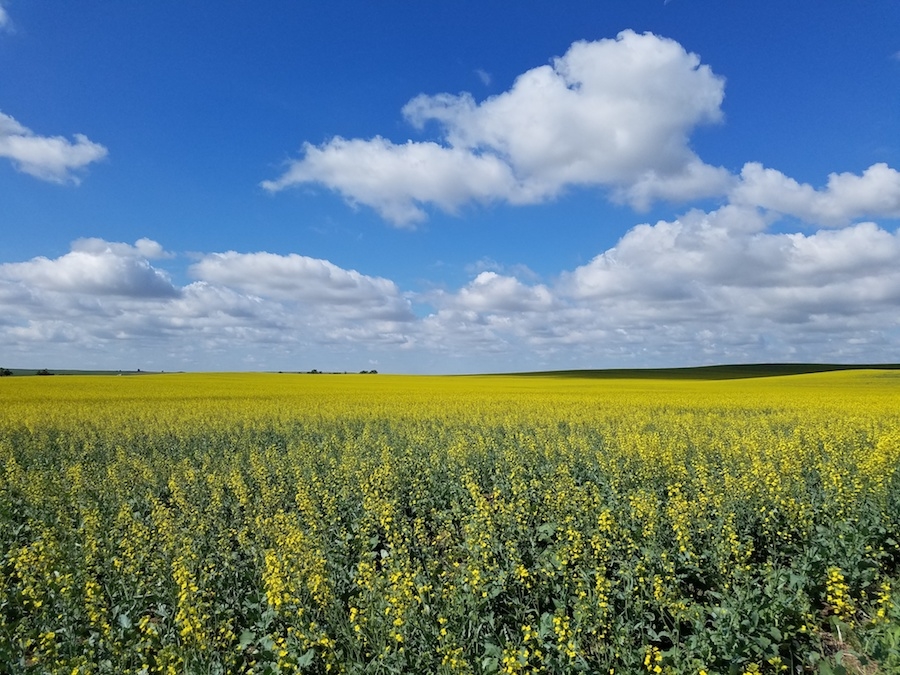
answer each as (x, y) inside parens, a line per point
(325, 372)
(6, 372)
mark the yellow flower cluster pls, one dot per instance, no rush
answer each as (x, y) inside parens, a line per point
(837, 594)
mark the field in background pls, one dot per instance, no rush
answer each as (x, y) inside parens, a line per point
(380, 524)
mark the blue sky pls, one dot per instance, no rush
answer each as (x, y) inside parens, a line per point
(448, 187)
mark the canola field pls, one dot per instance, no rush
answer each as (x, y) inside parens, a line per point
(282, 523)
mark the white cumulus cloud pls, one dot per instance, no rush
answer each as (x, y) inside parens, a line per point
(492, 292)
(847, 197)
(702, 263)
(50, 158)
(394, 179)
(96, 267)
(103, 300)
(615, 113)
(303, 279)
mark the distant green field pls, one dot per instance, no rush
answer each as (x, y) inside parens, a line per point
(720, 372)
(18, 372)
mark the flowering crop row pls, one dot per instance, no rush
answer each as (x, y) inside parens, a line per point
(359, 524)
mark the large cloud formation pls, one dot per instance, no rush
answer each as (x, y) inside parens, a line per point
(104, 297)
(50, 158)
(706, 286)
(715, 285)
(614, 113)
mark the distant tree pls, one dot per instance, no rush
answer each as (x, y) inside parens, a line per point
(43, 371)
(5, 372)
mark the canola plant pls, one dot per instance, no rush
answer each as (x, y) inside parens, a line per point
(263, 523)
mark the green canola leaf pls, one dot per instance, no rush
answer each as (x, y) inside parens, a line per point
(307, 658)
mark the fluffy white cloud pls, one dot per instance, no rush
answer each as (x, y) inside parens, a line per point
(394, 179)
(492, 292)
(142, 248)
(96, 267)
(612, 112)
(50, 158)
(847, 197)
(703, 264)
(615, 113)
(302, 279)
(103, 300)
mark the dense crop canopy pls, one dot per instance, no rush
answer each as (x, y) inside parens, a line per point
(376, 524)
